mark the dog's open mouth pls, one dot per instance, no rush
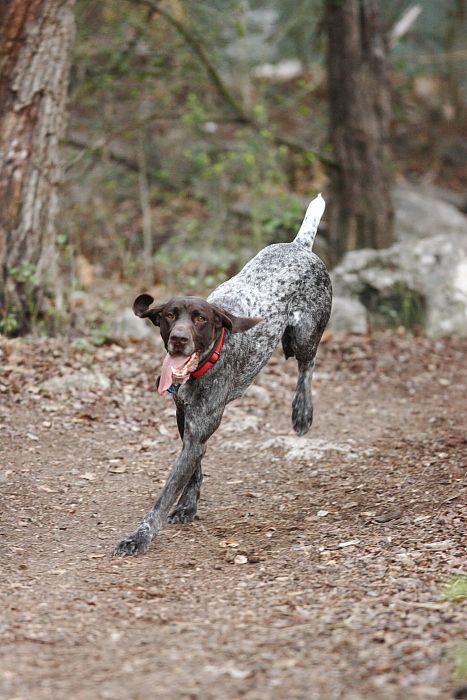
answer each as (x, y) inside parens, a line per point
(176, 369)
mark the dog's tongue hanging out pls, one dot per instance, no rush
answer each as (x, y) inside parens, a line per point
(176, 369)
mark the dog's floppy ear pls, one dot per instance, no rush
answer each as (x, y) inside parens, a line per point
(141, 308)
(235, 324)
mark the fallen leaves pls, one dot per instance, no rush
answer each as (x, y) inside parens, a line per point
(88, 476)
(297, 570)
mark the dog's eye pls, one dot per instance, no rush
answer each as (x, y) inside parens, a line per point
(199, 319)
(170, 316)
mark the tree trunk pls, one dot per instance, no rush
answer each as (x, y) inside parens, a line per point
(454, 40)
(36, 37)
(359, 102)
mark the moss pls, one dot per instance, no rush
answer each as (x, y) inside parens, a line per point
(459, 660)
(396, 306)
(455, 590)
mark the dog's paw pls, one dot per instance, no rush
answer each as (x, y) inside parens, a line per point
(302, 423)
(302, 416)
(137, 543)
(182, 514)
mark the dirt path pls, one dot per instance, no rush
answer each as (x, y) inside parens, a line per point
(315, 567)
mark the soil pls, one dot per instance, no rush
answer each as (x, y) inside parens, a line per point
(314, 570)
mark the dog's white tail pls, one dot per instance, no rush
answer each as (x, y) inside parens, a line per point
(307, 232)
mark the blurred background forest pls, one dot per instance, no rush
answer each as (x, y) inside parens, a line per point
(198, 132)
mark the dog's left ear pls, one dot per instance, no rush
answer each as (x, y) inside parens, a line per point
(235, 324)
(141, 308)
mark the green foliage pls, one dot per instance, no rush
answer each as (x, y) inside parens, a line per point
(459, 660)
(396, 306)
(24, 274)
(251, 173)
(195, 267)
(282, 217)
(162, 143)
(195, 114)
(9, 323)
(82, 345)
(455, 590)
(137, 80)
(100, 334)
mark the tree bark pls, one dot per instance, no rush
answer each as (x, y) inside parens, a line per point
(359, 103)
(36, 37)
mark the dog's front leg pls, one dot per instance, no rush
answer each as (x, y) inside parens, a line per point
(187, 505)
(199, 426)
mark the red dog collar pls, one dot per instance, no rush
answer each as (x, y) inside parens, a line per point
(212, 359)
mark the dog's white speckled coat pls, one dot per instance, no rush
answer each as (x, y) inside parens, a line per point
(288, 287)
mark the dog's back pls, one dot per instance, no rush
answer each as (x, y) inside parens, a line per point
(272, 282)
(281, 278)
(288, 286)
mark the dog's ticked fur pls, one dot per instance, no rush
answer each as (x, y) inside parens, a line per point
(282, 294)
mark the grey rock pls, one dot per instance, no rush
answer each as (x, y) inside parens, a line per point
(348, 316)
(239, 422)
(260, 394)
(419, 281)
(420, 214)
(439, 267)
(415, 282)
(127, 326)
(83, 380)
(456, 199)
(296, 448)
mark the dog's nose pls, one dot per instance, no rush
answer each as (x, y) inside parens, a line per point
(179, 338)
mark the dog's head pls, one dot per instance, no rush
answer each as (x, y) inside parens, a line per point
(189, 324)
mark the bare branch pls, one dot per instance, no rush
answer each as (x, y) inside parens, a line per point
(404, 24)
(223, 91)
(81, 143)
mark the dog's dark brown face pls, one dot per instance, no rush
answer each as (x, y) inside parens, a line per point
(189, 324)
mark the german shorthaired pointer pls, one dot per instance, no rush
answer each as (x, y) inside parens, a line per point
(217, 347)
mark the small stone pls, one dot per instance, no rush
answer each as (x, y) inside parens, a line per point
(241, 559)
(390, 515)
(75, 381)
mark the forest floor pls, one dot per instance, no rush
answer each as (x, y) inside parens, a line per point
(314, 570)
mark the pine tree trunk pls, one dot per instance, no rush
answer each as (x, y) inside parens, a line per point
(359, 102)
(36, 37)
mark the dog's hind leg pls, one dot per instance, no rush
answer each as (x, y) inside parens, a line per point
(301, 341)
(302, 404)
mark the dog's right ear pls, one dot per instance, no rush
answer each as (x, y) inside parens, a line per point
(141, 308)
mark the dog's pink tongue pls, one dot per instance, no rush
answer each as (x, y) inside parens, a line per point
(170, 361)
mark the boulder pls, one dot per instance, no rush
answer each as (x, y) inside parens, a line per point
(415, 283)
(84, 380)
(348, 316)
(127, 326)
(421, 214)
(420, 281)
